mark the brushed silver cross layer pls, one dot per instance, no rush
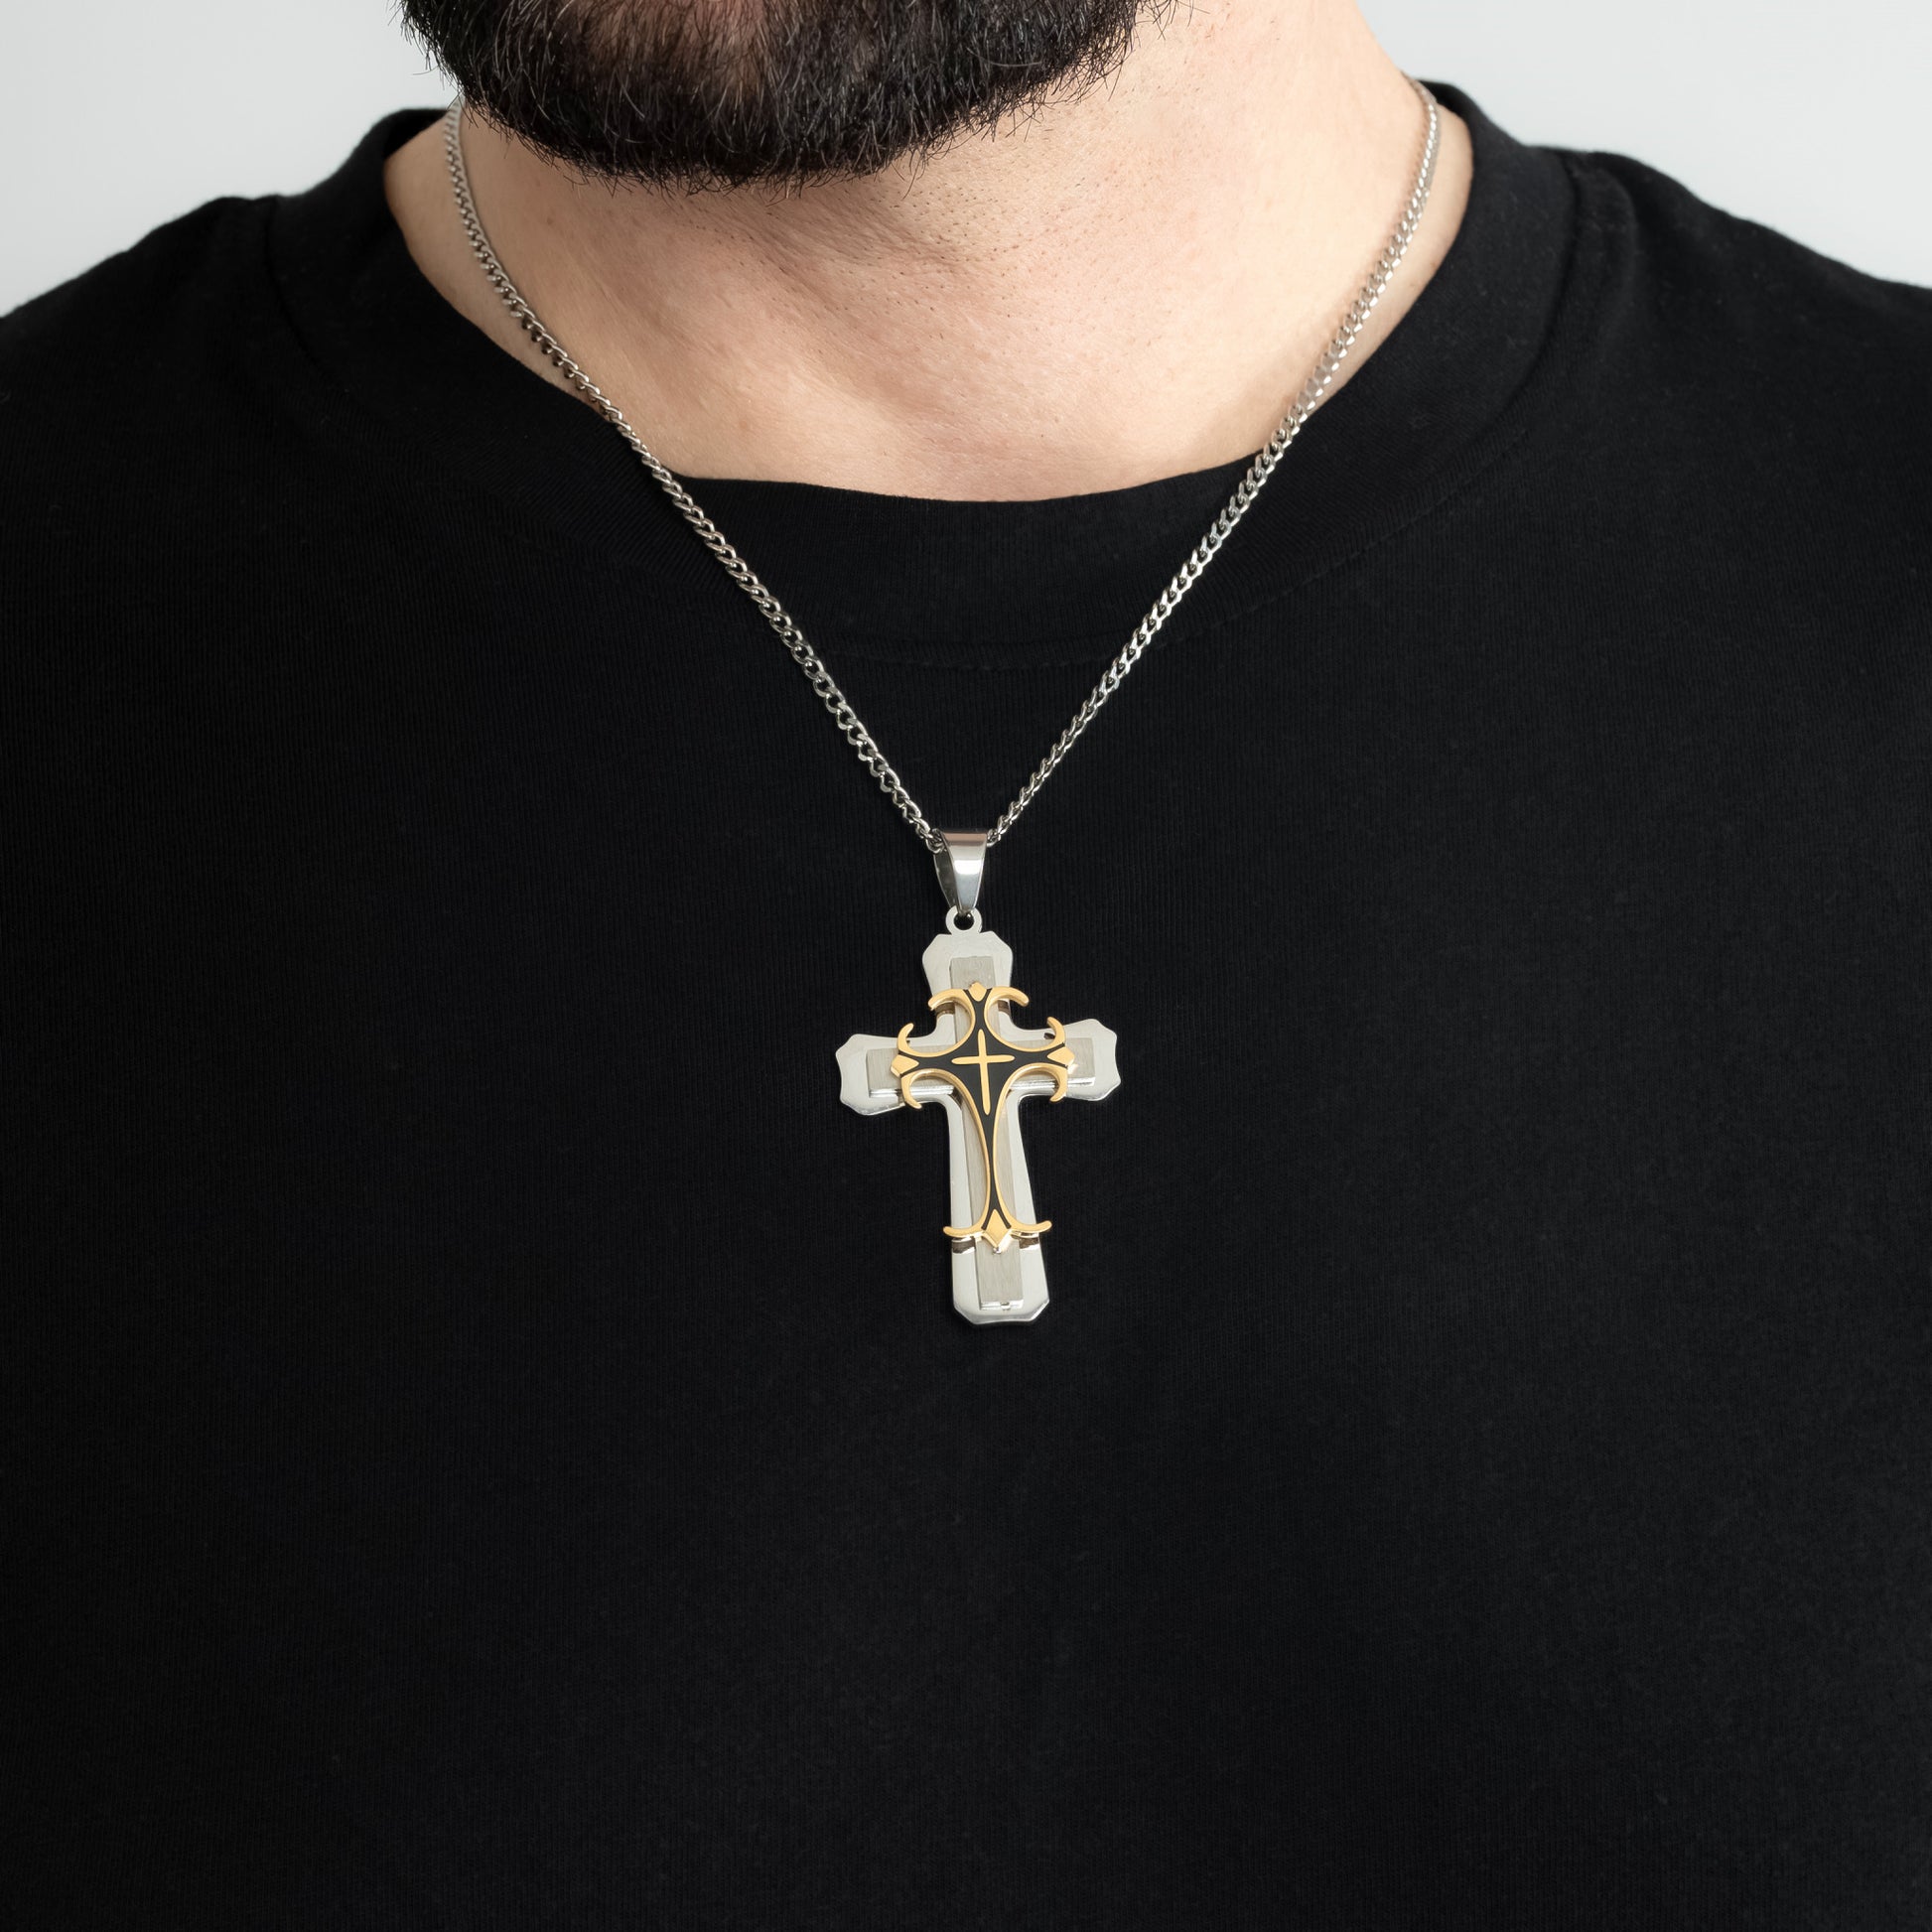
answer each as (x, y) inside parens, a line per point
(979, 1067)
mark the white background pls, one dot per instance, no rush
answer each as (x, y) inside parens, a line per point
(1808, 114)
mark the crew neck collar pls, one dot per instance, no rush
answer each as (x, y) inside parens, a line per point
(894, 575)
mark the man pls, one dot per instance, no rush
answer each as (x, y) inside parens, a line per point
(1445, 1444)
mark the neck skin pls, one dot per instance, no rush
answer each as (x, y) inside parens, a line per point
(1123, 287)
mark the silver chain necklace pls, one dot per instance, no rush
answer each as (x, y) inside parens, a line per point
(998, 1275)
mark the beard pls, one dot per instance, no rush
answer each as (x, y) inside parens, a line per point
(704, 93)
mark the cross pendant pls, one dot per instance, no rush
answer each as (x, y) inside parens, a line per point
(978, 1065)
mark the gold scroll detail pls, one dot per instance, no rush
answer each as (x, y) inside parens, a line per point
(986, 1088)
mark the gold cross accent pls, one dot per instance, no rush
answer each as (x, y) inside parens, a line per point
(980, 1006)
(982, 1060)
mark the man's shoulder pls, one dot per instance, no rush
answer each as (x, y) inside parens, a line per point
(145, 324)
(137, 418)
(1737, 304)
(1731, 396)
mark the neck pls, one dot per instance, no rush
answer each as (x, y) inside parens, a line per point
(1129, 285)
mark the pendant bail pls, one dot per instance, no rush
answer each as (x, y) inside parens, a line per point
(961, 865)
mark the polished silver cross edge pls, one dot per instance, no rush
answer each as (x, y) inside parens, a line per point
(978, 1065)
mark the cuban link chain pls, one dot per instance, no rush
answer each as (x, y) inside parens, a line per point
(848, 721)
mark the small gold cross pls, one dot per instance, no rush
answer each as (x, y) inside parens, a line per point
(982, 1060)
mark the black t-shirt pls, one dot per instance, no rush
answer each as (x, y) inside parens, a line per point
(495, 1446)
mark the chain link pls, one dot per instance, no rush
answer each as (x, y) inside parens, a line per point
(836, 703)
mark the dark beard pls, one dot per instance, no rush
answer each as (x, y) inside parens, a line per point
(719, 92)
